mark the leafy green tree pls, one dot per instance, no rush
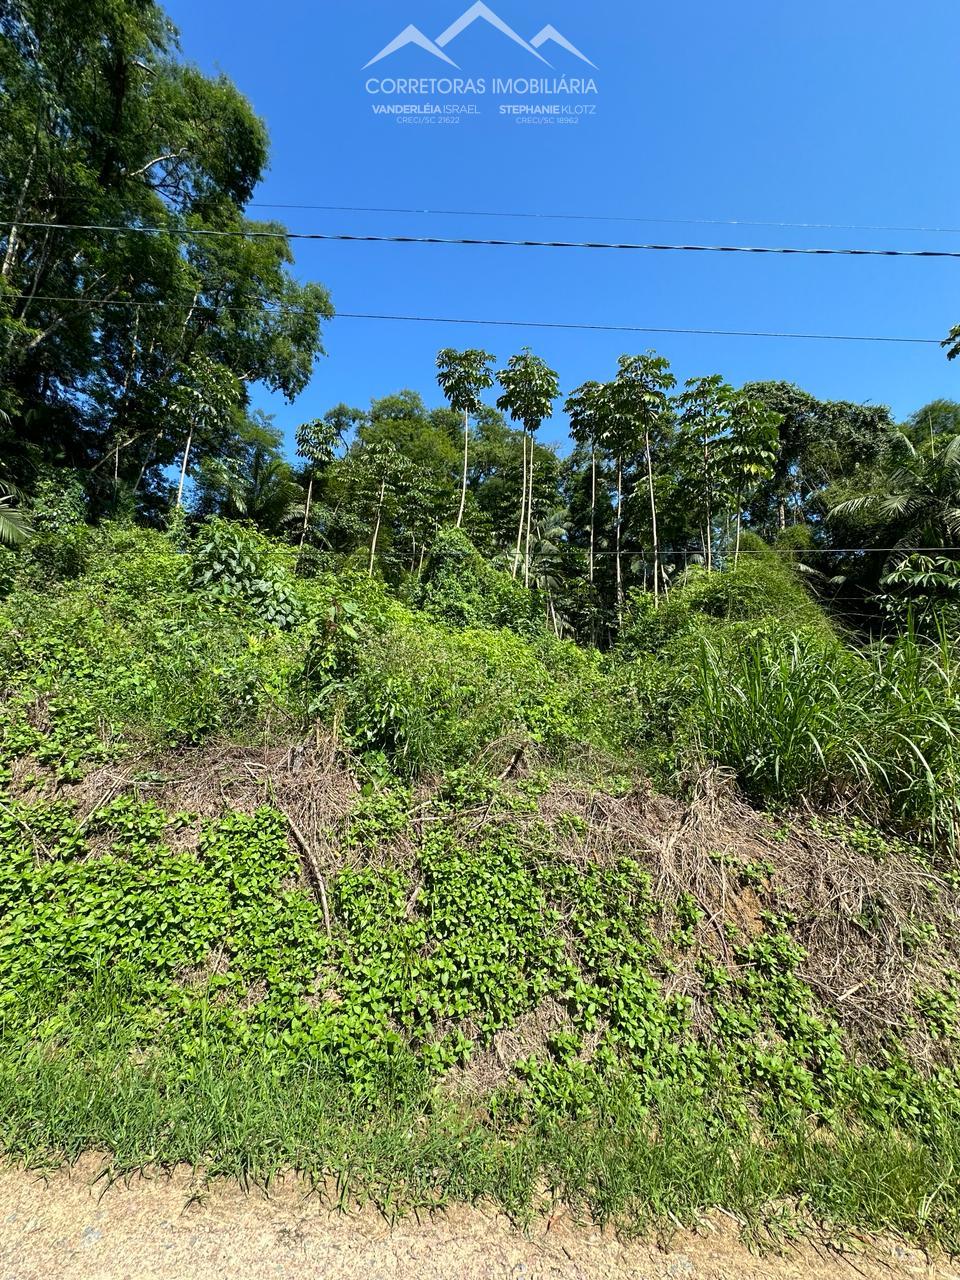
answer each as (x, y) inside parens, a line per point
(939, 419)
(255, 484)
(820, 441)
(105, 125)
(641, 412)
(317, 442)
(589, 410)
(530, 388)
(462, 376)
(377, 476)
(547, 561)
(203, 407)
(703, 419)
(749, 453)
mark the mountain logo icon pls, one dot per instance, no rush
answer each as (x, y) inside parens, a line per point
(479, 11)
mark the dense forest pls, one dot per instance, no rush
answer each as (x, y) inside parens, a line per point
(431, 809)
(141, 309)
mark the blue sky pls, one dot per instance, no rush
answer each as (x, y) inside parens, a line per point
(819, 112)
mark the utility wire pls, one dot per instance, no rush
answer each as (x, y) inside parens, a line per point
(280, 309)
(605, 217)
(187, 233)
(798, 551)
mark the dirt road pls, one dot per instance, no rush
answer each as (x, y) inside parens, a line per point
(62, 1228)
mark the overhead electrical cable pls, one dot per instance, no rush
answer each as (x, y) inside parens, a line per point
(342, 237)
(585, 327)
(604, 217)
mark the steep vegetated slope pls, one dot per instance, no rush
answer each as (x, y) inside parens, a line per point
(420, 897)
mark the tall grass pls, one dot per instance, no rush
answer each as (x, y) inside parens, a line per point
(803, 717)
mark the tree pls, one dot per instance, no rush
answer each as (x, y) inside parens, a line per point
(820, 441)
(588, 408)
(938, 419)
(952, 342)
(317, 443)
(203, 406)
(530, 387)
(462, 376)
(704, 409)
(105, 125)
(640, 408)
(749, 452)
(916, 502)
(375, 478)
(546, 561)
(254, 482)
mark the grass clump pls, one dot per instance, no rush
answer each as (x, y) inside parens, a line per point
(803, 718)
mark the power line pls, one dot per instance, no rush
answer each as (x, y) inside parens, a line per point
(650, 329)
(605, 217)
(280, 309)
(798, 551)
(246, 234)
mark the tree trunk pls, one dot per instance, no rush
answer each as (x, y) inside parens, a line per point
(124, 395)
(183, 467)
(781, 514)
(708, 504)
(736, 549)
(593, 507)
(466, 461)
(306, 511)
(376, 529)
(146, 462)
(619, 527)
(9, 256)
(523, 501)
(526, 553)
(653, 523)
(709, 541)
(553, 616)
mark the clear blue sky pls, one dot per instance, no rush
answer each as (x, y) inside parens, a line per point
(826, 111)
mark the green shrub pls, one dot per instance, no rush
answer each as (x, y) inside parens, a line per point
(461, 589)
(232, 562)
(763, 586)
(430, 698)
(59, 500)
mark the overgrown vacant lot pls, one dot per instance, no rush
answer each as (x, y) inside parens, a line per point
(416, 898)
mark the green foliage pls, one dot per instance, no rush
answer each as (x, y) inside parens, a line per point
(58, 501)
(233, 563)
(799, 716)
(462, 589)
(762, 587)
(459, 913)
(107, 125)
(429, 698)
(181, 962)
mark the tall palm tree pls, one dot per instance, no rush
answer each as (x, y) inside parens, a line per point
(917, 499)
